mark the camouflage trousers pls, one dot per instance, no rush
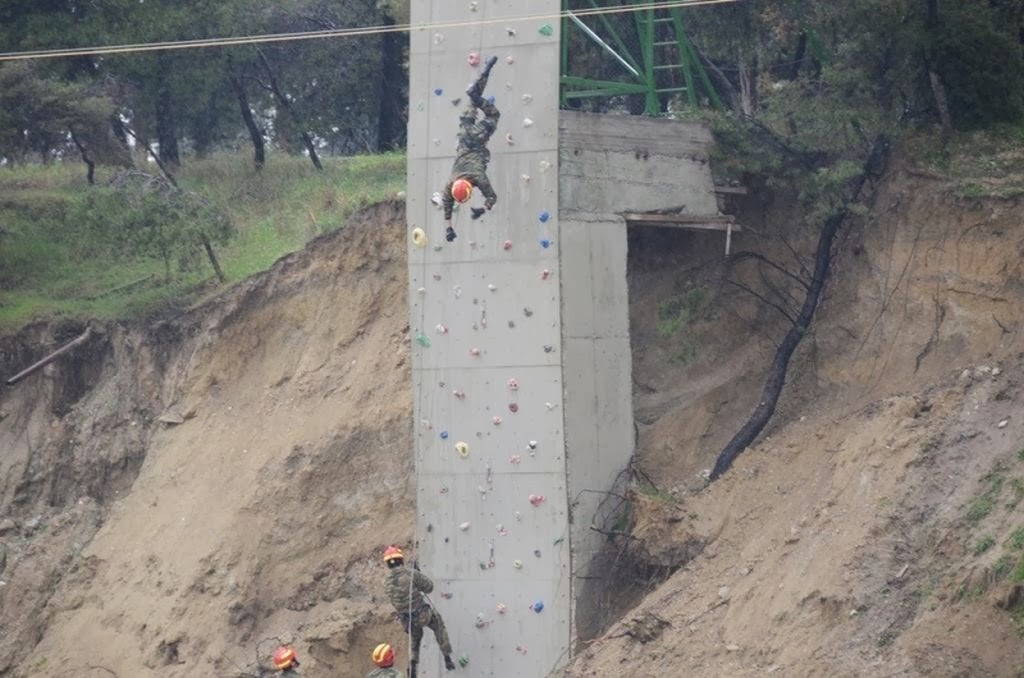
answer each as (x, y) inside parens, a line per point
(425, 617)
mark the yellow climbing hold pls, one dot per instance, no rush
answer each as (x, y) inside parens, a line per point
(462, 448)
(419, 237)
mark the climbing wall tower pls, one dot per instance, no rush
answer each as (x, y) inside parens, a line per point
(486, 318)
(521, 357)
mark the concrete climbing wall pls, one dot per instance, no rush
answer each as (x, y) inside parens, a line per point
(521, 356)
(485, 315)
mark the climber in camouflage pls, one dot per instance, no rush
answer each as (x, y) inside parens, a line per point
(406, 589)
(471, 155)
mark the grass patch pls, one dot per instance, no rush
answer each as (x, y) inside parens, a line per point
(1016, 539)
(1016, 492)
(984, 544)
(52, 268)
(983, 505)
(677, 315)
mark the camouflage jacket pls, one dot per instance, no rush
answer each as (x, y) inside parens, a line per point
(385, 673)
(471, 155)
(398, 588)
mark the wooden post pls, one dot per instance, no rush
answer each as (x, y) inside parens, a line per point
(728, 238)
(80, 339)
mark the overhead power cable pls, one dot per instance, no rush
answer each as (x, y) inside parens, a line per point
(340, 32)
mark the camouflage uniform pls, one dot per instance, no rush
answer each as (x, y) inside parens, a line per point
(385, 673)
(413, 610)
(471, 155)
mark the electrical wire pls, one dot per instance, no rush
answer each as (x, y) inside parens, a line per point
(340, 32)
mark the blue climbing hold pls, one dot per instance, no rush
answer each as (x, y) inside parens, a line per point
(444, 435)
(538, 606)
(545, 243)
(544, 216)
(491, 99)
(438, 91)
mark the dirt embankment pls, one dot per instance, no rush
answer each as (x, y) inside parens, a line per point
(876, 529)
(181, 490)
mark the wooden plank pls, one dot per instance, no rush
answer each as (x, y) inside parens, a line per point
(736, 190)
(722, 227)
(680, 219)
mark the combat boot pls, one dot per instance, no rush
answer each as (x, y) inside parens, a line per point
(448, 663)
(412, 669)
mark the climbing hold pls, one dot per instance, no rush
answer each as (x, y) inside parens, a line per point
(464, 526)
(518, 564)
(419, 237)
(475, 352)
(462, 448)
(421, 290)
(545, 165)
(527, 122)
(536, 553)
(510, 60)
(527, 311)
(438, 91)
(438, 38)
(437, 276)
(532, 444)
(519, 516)
(463, 660)
(437, 142)
(509, 140)
(548, 348)
(474, 6)
(480, 621)
(492, 287)
(444, 435)
(546, 30)
(437, 248)
(511, 32)
(545, 243)
(507, 245)
(537, 606)
(513, 385)
(544, 216)
(545, 274)
(447, 595)
(441, 329)
(444, 490)
(496, 421)
(425, 423)
(422, 340)
(437, 199)
(461, 395)
(515, 459)
(511, 324)
(458, 291)
(526, 178)
(502, 532)
(558, 541)
(513, 408)
(491, 99)
(527, 98)
(536, 499)
(520, 649)
(550, 406)
(508, 86)
(473, 59)
(500, 608)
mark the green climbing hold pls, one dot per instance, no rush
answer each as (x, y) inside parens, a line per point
(422, 340)
(558, 541)
(546, 30)
(463, 660)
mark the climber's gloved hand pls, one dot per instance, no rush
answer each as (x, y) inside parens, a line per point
(449, 234)
(476, 212)
(416, 565)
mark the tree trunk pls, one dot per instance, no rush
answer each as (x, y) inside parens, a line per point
(166, 133)
(391, 127)
(776, 379)
(941, 102)
(213, 258)
(90, 174)
(748, 84)
(287, 106)
(255, 133)
(798, 57)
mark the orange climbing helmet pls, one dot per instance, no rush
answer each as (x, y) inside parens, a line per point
(384, 655)
(285, 658)
(462, 189)
(393, 553)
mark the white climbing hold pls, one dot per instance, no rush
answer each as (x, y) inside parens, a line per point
(509, 140)
(519, 516)
(515, 459)
(441, 329)
(510, 60)
(526, 178)
(425, 423)
(421, 290)
(532, 444)
(496, 421)
(474, 6)
(518, 564)
(458, 291)
(513, 385)
(527, 122)
(437, 142)
(500, 608)
(438, 38)
(437, 199)
(527, 98)
(511, 32)
(492, 287)
(464, 526)
(545, 165)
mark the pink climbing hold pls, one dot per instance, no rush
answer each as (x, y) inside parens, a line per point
(520, 649)
(513, 408)
(474, 351)
(515, 459)
(496, 421)
(460, 394)
(507, 245)
(536, 499)
(545, 274)
(513, 385)
(473, 59)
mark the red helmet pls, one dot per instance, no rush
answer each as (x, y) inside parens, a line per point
(462, 189)
(384, 655)
(393, 553)
(285, 658)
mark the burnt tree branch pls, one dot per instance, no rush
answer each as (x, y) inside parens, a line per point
(776, 378)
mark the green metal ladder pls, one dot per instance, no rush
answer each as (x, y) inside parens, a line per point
(663, 61)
